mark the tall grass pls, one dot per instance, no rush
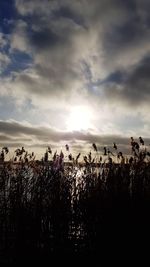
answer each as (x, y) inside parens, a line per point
(48, 207)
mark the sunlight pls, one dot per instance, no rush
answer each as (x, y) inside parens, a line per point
(79, 119)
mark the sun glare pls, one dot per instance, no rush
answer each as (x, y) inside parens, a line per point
(79, 119)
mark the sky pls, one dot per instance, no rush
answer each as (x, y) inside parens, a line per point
(74, 72)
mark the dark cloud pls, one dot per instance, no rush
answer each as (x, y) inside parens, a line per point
(66, 12)
(124, 35)
(117, 77)
(126, 30)
(13, 128)
(135, 87)
(45, 39)
(17, 132)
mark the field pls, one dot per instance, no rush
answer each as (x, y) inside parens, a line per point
(52, 208)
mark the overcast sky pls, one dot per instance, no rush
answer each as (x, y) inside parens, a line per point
(57, 56)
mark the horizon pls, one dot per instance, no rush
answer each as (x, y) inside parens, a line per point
(99, 152)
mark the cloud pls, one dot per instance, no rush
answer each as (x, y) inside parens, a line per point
(16, 129)
(92, 53)
(133, 88)
(4, 58)
(24, 133)
(3, 40)
(55, 67)
(18, 38)
(4, 61)
(104, 35)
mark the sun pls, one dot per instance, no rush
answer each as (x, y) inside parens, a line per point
(79, 119)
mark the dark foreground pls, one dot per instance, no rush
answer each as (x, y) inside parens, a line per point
(54, 216)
